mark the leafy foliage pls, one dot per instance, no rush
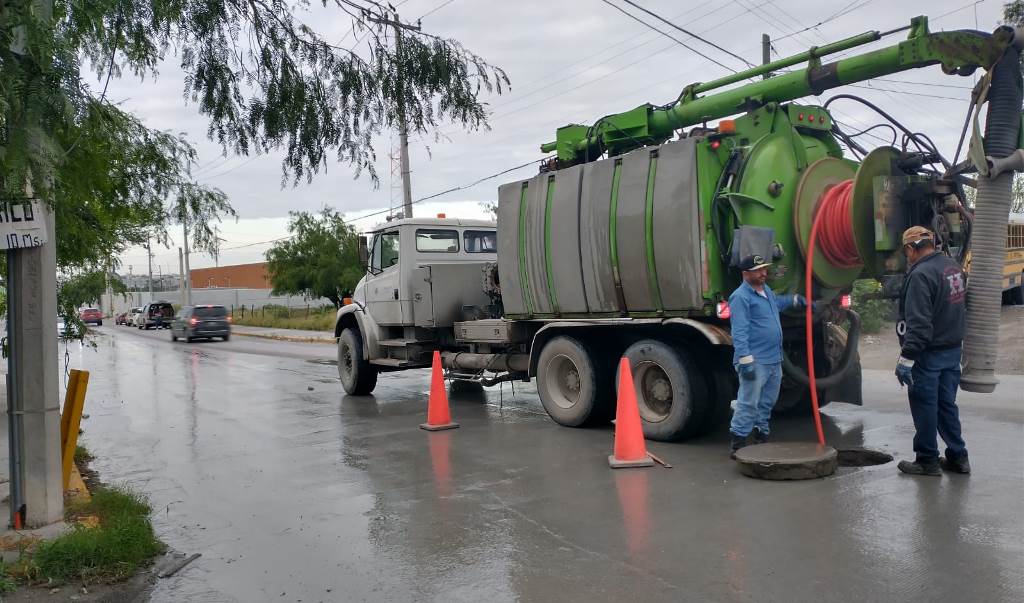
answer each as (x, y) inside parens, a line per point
(268, 81)
(321, 259)
(875, 311)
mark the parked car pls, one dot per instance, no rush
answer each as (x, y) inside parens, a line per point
(156, 315)
(91, 316)
(207, 322)
(121, 317)
(130, 315)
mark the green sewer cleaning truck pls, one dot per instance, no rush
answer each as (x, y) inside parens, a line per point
(626, 242)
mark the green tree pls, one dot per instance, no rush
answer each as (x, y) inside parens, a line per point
(320, 259)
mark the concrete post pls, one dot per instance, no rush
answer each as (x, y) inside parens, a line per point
(36, 387)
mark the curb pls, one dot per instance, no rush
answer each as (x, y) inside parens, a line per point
(292, 338)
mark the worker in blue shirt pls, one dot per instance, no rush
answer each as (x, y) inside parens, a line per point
(757, 350)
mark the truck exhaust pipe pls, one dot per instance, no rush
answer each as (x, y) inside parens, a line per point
(991, 214)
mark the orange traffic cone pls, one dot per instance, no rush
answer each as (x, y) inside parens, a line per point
(630, 448)
(438, 415)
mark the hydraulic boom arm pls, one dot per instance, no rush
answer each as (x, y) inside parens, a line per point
(958, 52)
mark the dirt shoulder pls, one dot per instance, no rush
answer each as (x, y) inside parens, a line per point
(880, 350)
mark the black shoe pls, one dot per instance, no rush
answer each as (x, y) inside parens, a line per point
(958, 465)
(920, 468)
(737, 443)
(758, 437)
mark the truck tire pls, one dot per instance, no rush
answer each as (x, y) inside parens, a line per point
(1016, 295)
(671, 393)
(357, 375)
(571, 388)
(723, 385)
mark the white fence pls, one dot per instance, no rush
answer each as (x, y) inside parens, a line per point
(227, 297)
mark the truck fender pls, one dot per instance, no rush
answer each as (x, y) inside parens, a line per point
(714, 334)
(353, 316)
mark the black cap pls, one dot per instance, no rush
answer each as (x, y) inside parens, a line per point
(753, 262)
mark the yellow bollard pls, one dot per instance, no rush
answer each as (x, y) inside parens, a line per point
(71, 419)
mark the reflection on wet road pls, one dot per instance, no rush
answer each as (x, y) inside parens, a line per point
(252, 456)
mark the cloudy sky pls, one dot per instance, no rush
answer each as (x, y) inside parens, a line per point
(569, 61)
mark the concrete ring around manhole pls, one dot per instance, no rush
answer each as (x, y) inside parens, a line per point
(787, 461)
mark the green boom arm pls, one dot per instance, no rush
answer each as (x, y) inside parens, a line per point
(958, 52)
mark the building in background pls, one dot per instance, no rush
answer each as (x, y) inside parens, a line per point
(239, 276)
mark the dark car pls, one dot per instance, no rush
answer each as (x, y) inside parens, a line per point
(91, 315)
(157, 315)
(201, 322)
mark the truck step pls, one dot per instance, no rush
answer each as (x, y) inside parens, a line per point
(400, 343)
(396, 362)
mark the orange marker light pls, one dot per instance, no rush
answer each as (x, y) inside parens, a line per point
(727, 126)
(441, 216)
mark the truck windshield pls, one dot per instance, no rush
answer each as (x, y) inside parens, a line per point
(444, 241)
(481, 241)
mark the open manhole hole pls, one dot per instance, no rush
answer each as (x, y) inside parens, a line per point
(863, 457)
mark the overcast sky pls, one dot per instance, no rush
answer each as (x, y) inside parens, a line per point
(569, 61)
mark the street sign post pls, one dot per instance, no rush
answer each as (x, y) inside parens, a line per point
(22, 225)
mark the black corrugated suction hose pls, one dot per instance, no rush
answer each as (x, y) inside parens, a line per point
(988, 235)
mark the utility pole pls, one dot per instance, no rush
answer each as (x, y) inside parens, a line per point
(766, 53)
(403, 128)
(181, 277)
(149, 258)
(187, 272)
(37, 493)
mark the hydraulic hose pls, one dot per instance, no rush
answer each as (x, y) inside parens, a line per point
(846, 360)
(988, 236)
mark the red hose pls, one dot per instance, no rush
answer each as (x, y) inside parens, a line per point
(839, 249)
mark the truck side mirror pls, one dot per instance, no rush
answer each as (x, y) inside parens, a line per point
(364, 253)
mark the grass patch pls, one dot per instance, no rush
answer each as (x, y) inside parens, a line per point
(114, 550)
(314, 320)
(82, 455)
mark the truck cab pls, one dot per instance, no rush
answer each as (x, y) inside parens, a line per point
(422, 275)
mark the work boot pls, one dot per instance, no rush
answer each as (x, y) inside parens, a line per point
(737, 443)
(758, 437)
(960, 464)
(919, 467)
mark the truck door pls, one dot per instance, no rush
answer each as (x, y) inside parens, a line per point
(382, 284)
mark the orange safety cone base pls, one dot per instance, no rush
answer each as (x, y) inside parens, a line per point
(615, 463)
(440, 427)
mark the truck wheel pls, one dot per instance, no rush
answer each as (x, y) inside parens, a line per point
(1016, 294)
(570, 388)
(723, 386)
(670, 392)
(358, 376)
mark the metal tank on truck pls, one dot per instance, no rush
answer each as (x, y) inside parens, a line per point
(626, 243)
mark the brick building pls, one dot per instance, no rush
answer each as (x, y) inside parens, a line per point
(240, 276)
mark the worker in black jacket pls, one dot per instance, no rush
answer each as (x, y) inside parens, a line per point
(931, 332)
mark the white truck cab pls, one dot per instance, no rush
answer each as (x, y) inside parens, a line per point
(421, 275)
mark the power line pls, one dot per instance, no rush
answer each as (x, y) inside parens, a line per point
(456, 188)
(843, 11)
(667, 35)
(435, 9)
(689, 33)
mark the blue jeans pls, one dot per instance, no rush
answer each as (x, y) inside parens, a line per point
(756, 399)
(933, 404)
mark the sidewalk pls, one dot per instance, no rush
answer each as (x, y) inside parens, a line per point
(284, 334)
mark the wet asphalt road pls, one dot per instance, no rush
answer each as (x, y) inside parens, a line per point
(298, 494)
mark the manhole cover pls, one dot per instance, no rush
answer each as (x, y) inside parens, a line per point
(787, 461)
